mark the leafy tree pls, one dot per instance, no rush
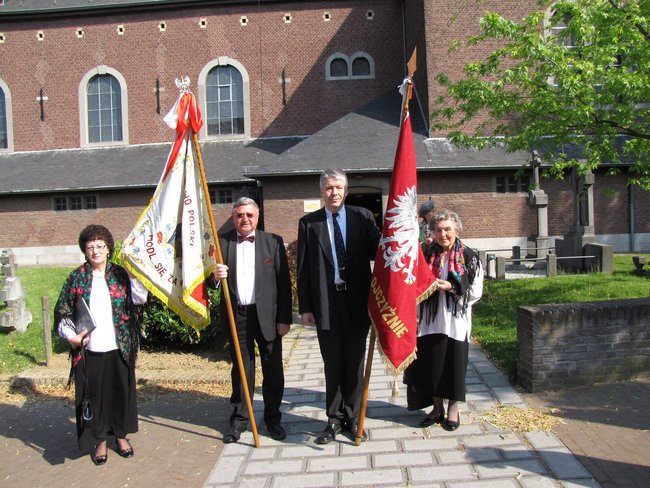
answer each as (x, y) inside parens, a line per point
(574, 74)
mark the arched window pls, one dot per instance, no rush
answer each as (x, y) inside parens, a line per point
(6, 127)
(360, 67)
(341, 67)
(4, 142)
(337, 67)
(560, 31)
(103, 108)
(224, 98)
(224, 101)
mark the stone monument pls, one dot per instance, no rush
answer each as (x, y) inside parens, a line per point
(581, 239)
(15, 316)
(538, 200)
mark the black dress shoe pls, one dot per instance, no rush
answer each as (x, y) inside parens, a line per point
(233, 435)
(435, 419)
(450, 425)
(329, 434)
(127, 452)
(98, 460)
(277, 432)
(353, 428)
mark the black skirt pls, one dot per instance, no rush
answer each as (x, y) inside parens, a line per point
(439, 371)
(111, 384)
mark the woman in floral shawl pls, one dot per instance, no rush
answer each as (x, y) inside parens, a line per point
(105, 372)
(445, 325)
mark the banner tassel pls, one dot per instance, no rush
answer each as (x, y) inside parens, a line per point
(395, 392)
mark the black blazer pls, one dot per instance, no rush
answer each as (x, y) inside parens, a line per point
(272, 281)
(316, 264)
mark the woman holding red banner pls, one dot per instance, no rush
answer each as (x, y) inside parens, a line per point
(445, 325)
(104, 354)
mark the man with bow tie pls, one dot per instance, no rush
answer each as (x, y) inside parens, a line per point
(335, 246)
(255, 263)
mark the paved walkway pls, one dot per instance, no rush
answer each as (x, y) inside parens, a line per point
(179, 442)
(398, 452)
(606, 427)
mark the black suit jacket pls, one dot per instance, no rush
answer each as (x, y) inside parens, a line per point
(272, 281)
(316, 264)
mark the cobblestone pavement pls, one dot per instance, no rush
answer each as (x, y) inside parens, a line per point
(177, 445)
(607, 427)
(398, 452)
(179, 442)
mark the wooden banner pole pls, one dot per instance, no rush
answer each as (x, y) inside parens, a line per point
(225, 295)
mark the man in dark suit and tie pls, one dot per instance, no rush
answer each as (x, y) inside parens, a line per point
(335, 247)
(260, 293)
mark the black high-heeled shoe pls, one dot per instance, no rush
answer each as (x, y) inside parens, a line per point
(450, 425)
(430, 420)
(99, 460)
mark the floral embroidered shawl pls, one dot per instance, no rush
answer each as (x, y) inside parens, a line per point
(125, 321)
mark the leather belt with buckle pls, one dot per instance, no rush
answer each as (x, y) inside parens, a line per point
(340, 286)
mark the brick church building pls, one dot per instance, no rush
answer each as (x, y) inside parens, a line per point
(286, 89)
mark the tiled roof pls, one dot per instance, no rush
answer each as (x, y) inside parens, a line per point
(136, 166)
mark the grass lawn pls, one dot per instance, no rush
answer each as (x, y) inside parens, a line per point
(22, 351)
(495, 315)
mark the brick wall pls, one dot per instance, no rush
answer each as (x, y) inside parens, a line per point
(576, 344)
(447, 22)
(29, 220)
(265, 46)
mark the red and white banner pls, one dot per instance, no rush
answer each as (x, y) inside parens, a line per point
(171, 249)
(401, 277)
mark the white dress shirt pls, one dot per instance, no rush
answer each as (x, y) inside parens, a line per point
(330, 227)
(246, 272)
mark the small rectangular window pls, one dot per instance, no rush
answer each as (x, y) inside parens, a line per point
(75, 202)
(60, 204)
(90, 202)
(225, 196)
(511, 184)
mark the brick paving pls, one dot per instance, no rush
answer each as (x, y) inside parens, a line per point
(607, 428)
(398, 452)
(179, 443)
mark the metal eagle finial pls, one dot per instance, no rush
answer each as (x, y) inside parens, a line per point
(183, 84)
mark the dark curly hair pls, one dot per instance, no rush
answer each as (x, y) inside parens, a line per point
(95, 232)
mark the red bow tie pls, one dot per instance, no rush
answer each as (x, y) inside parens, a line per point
(241, 239)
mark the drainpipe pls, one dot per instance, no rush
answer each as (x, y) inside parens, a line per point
(632, 234)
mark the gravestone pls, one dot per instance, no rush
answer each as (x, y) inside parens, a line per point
(582, 236)
(15, 316)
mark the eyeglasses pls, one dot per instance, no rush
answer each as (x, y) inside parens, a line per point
(242, 215)
(98, 248)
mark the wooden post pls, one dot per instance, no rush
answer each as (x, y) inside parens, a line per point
(47, 330)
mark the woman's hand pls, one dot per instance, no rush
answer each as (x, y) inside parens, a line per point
(444, 285)
(79, 339)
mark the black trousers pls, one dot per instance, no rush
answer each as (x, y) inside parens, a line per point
(343, 349)
(249, 333)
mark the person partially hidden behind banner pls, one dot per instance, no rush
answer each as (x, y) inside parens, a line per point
(260, 293)
(445, 325)
(335, 246)
(425, 214)
(109, 369)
